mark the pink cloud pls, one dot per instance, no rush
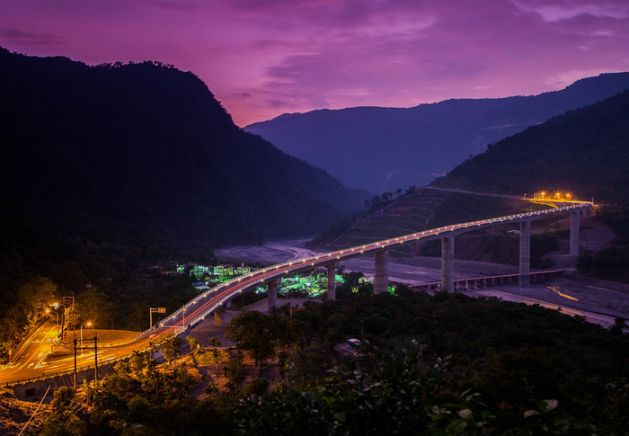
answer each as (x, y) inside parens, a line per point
(266, 57)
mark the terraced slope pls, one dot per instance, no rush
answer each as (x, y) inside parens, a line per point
(422, 209)
(407, 214)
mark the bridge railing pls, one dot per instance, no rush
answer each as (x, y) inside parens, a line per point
(319, 260)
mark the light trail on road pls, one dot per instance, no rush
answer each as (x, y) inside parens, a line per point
(201, 306)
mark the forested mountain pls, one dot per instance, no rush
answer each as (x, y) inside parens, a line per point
(146, 149)
(585, 151)
(382, 149)
(105, 169)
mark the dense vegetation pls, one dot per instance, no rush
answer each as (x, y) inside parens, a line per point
(446, 364)
(105, 170)
(145, 148)
(403, 147)
(585, 151)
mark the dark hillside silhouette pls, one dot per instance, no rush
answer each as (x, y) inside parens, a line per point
(106, 170)
(147, 149)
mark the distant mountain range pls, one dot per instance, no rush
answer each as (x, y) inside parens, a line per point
(130, 153)
(585, 151)
(382, 149)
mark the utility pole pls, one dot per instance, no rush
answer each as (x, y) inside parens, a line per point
(95, 339)
(68, 300)
(74, 362)
(95, 358)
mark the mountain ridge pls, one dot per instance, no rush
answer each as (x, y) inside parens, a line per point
(146, 145)
(584, 151)
(411, 146)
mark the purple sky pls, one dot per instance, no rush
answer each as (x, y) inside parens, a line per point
(262, 58)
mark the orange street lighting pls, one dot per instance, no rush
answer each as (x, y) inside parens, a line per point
(47, 310)
(88, 324)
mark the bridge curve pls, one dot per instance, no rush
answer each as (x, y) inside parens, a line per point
(211, 300)
(223, 293)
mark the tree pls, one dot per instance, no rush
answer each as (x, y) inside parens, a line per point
(618, 327)
(194, 346)
(63, 398)
(94, 306)
(214, 343)
(235, 372)
(35, 295)
(170, 349)
(283, 337)
(252, 332)
(63, 421)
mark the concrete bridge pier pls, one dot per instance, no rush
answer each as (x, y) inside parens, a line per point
(331, 269)
(447, 264)
(525, 253)
(381, 275)
(574, 232)
(272, 293)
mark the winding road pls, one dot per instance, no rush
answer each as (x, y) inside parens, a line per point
(204, 304)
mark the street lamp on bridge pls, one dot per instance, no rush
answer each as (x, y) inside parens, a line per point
(153, 310)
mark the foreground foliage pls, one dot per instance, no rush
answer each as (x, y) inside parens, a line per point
(417, 364)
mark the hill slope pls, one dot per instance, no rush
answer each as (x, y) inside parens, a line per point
(124, 152)
(381, 149)
(585, 151)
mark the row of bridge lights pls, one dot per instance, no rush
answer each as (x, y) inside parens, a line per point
(558, 195)
(542, 194)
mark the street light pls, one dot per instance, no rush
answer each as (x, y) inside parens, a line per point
(88, 324)
(55, 306)
(153, 310)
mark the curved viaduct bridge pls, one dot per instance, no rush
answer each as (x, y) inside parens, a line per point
(208, 302)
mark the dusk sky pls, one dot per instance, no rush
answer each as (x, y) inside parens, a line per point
(262, 58)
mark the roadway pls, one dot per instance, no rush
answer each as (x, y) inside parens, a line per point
(29, 357)
(197, 309)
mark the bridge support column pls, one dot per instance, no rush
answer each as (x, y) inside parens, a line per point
(381, 275)
(574, 232)
(447, 264)
(525, 253)
(331, 269)
(272, 293)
